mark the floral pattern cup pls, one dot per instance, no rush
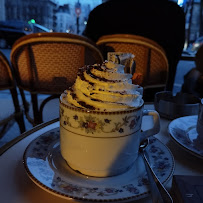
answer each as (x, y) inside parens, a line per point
(102, 144)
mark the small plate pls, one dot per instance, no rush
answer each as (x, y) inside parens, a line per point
(46, 167)
(183, 131)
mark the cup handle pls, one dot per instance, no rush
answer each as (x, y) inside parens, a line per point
(155, 129)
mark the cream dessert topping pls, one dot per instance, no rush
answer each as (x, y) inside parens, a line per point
(104, 87)
(125, 59)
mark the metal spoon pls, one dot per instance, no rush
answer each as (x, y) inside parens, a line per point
(158, 191)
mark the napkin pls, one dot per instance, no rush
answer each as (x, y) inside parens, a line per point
(187, 189)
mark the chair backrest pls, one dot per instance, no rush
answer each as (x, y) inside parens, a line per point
(7, 82)
(150, 58)
(6, 77)
(49, 62)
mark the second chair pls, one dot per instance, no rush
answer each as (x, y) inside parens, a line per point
(47, 63)
(150, 58)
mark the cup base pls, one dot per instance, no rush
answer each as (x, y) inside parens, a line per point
(99, 173)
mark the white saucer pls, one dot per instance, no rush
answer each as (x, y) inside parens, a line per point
(183, 131)
(46, 167)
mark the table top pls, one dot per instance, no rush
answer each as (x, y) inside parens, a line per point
(16, 186)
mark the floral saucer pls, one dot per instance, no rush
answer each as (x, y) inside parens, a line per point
(183, 131)
(46, 167)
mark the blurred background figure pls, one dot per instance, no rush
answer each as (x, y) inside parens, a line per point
(193, 80)
(160, 20)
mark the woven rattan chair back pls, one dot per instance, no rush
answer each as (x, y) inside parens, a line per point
(150, 58)
(7, 82)
(47, 63)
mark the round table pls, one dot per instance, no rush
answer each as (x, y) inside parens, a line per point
(16, 186)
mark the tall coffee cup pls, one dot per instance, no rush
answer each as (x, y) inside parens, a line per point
(102, 144)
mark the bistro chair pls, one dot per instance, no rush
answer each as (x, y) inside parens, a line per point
(47, 64)
(150, 58)
(10, 110)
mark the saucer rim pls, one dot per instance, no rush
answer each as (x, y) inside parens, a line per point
(186, 148)
(70, 197)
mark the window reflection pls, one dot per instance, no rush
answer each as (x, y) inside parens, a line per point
(70, 16)
(57, 15)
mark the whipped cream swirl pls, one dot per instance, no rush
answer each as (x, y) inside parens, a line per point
(104, 87)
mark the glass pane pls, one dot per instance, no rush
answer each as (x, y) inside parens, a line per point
(22, 17)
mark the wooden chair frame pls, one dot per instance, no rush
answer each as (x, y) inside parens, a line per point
(8, 83)
(28, 45)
